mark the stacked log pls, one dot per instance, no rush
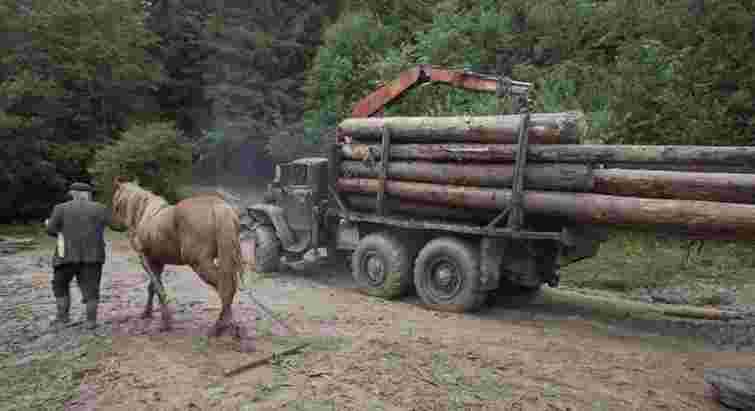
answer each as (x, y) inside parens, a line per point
(447, 166)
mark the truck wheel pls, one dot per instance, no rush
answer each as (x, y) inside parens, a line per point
(447, 276)
(381, 266)
(267, 250)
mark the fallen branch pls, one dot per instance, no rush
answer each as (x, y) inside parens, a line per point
(262, 361)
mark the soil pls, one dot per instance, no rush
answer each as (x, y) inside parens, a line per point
(364, 353)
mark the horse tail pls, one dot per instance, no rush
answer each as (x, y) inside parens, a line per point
(230, 261)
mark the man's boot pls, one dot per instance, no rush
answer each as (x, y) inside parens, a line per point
(64, 306)
(91, 322)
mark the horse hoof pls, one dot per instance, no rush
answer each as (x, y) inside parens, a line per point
(146, 315)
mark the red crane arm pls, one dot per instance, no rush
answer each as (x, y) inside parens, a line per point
(376, 100)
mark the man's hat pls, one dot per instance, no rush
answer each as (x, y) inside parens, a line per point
(81, 187)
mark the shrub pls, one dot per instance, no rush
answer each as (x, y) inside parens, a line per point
(153, 154)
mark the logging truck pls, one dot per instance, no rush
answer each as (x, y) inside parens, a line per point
(394, 246)
(437, 205)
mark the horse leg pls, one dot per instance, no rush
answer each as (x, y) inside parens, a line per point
(157, 269)
(154, 272)
(150, 296)
(208, 271)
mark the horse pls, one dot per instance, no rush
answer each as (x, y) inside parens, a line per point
(201, 232)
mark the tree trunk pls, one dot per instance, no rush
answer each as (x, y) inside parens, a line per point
(697, 168)
(721, 187)
(567, 177)
(720, 219)
(393, 206)
(685, 156)
(546, 128)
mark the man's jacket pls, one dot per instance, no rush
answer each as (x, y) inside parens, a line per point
(82, 224)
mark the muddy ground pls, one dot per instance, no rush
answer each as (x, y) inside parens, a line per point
(364, 353)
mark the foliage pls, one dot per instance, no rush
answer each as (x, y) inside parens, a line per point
(649, 260)
(154, 154)
(71, 73)
(49, 379)
(690, 80)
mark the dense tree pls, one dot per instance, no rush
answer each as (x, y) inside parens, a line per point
(71, 74)
(665, 72)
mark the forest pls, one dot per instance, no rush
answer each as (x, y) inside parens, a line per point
(172, 91)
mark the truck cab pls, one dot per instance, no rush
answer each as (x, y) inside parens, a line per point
(288, 223)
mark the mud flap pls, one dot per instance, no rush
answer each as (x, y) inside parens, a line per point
(491, 257)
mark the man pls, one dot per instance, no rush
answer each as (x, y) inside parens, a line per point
(80, 252)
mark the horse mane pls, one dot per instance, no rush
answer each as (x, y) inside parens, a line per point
(133, 203)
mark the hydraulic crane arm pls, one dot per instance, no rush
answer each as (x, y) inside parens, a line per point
(376, 100)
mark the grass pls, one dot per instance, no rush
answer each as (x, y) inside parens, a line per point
(485, 387)
(312, 405)
(629, 261)
(281, 366)
(253, 279)
(45, 243)
(392, 360)
(50, 379)
(662, 343)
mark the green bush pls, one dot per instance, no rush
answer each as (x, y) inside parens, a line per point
(153, 154)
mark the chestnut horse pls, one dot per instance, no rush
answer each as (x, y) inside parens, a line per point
(201, 232)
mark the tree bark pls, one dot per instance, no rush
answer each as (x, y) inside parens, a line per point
(685, 156)
(696, 168)
(719, 219)
(567, 177)
(368, 203)
(545, 128)
(721, 187)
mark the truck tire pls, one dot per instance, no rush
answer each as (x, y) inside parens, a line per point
(267, 250)
(381, 266)
(447, 276)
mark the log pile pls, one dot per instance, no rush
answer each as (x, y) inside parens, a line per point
(465, 167)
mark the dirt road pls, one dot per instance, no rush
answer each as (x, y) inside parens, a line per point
(364, 353)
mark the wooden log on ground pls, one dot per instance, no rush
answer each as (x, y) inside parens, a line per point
(622, 307)
(690, 157)
(566, 177)
(722, 220)
(545, 128)
(733, 387)
(265, 360)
